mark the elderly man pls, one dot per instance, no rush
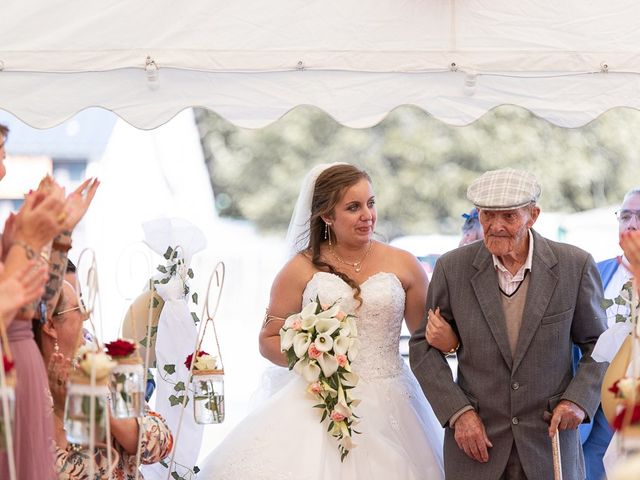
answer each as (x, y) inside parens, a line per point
(518, 303)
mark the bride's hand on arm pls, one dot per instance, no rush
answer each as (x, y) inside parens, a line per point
(286, 299)
(439, 333)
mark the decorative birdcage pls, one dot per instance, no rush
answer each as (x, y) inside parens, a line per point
(207, 370)
(85, 412)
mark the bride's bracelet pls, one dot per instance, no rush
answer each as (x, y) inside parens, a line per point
(268, 318)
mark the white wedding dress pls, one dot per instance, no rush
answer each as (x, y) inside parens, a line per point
(400, 438)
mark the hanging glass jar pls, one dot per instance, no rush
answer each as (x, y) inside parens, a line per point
(208, 396)
(84, 402)
(7, 408)
(127, 385)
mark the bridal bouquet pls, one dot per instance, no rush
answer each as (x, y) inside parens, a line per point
(320, 343)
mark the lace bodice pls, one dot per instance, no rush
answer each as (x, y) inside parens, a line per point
(379, 319)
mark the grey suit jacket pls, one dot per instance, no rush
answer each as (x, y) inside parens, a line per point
(512, 393)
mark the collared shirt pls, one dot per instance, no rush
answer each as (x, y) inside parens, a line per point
(510, 283)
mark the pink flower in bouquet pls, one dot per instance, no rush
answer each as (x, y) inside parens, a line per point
(296, 325)
(342, 360)
(7, 364)
(120, 348)
(341, 315)
(315, 388)
(314, 352)
(187, 362)
(337, 416)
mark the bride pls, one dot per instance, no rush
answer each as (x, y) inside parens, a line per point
(336, 259)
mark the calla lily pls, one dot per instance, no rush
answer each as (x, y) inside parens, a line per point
(341, 345)
(286, 339)
(354, 349)
(308, 370)
(324, 342)
(301, 343)
(327, 325)
(343, 409)
(346, 443)
(330, 313)
(351, 379)
(328, 364)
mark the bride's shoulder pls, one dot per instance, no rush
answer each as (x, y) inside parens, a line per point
(296, 272)
(396, 254)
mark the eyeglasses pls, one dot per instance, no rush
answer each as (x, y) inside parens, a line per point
(80, 307)
(625, 216)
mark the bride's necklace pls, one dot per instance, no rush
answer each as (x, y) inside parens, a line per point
(357, 266)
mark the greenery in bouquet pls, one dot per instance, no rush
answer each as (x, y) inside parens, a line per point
(627, 390)
(320, 343)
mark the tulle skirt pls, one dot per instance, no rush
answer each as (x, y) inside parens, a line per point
(283, 438)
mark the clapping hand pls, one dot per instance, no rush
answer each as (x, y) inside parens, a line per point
(77, 203)
(630, 243)
(21, 288)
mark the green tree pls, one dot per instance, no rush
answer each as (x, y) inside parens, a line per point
(420, 166)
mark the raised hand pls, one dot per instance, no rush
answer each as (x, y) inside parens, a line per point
(39, 219)
(58, 373)
(439, 333)
(77, 203)
(630, 243)
(471, 436)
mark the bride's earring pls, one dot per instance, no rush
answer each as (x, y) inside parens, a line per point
(327, 232)
(56, 347)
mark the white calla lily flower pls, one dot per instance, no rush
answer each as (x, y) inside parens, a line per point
(301, 344)
(354, 349)
(328, 364)
(324, 342)
(327, 325)
(309, 370)
(330, 313)
(341, 345)
(286, 339)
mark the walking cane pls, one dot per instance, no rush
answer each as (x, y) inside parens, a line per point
(555, 451)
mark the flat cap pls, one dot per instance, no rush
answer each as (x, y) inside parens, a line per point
(503, 189)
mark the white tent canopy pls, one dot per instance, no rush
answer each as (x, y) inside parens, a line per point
(251, 61)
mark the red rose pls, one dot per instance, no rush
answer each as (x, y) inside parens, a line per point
(621, 419)
(614, 388)
(187, 362)
(7, 364)
(120, 348)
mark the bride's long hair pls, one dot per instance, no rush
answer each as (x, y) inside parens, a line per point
(330, 186)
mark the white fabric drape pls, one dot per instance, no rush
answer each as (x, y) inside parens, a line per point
(252, 61)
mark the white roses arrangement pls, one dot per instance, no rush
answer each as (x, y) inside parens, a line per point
(320, 343)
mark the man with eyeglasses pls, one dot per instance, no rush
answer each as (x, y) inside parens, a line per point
(597, 435)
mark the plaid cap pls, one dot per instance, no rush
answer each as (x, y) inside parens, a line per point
(504, 189)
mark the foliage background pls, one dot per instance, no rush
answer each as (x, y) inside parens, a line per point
(420, 166)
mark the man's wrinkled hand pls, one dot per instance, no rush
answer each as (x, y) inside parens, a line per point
(566, 416)
(471, 436)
